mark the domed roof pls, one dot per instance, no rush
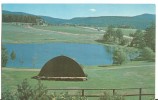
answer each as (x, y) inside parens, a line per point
(62, 66)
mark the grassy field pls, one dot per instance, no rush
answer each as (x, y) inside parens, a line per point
(45, 34)
(131, 75)
(71, 29)
(25, 34)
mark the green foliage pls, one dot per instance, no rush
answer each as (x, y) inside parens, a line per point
(143, 39)
(132, 53)
(19, 18)
(4, 56)
(119, 56)
(39, 92)
(7, 95)
(107, 96)
(150, 37)
(108, 36)
(24, 91)
(119, 35)
(113, 36)
(13, 56)
(148, 54)
(138, 39)
(66, 96)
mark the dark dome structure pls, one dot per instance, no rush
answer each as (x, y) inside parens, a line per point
(61, 68)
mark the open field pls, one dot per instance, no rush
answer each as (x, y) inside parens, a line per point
(12, 33)
(25, 34)
(137, 74)
(70, 29)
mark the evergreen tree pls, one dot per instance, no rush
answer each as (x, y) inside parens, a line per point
(13, 55)
(119, 35)
(138, 39)
(4, 56)
(108, 36)
(150, 37)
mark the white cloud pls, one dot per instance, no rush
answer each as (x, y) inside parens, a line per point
(93, 10)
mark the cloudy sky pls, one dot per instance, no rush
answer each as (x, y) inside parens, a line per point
(68, 11)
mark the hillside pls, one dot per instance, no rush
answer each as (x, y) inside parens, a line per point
(138, 22)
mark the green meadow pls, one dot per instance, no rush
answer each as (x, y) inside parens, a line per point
(12, 33)
(24, 34)
(135, 74)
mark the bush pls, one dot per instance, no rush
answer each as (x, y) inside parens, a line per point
(107, 96)
(119, 56)
(66, 96)
(148, 54)
(26, 92)
(39, 92)
(7, 95)
(4, 56)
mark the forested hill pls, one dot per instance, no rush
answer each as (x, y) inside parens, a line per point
(139, 22)
(20, 17)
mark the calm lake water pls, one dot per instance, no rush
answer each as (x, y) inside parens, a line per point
(36, 55)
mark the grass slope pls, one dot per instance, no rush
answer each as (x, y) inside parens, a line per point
(131, 75)
(26, 34)
(45, 34)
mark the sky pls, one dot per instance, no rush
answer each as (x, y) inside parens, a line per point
(68, 11)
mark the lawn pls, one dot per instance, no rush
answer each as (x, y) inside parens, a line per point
(135, 74)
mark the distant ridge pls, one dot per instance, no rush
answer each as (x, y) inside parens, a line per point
(16, 13)
(140, 21)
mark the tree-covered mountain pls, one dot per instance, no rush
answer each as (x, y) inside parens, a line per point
(15, 13)
(139, 22)
(8, 16)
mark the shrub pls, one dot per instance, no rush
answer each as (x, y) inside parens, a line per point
(148, 54)
(7, 95)
(39, 92)
(107, 96)
(66, 96)
(4, 56)
(119, 56)
(24, 91)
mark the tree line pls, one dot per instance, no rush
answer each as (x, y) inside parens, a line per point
(144, 41)
(5, 56)
(20, 18)
(140, 39)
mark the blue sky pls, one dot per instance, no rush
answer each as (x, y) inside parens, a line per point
(68, 11)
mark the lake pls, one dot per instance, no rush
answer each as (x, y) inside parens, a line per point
(36, 55)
